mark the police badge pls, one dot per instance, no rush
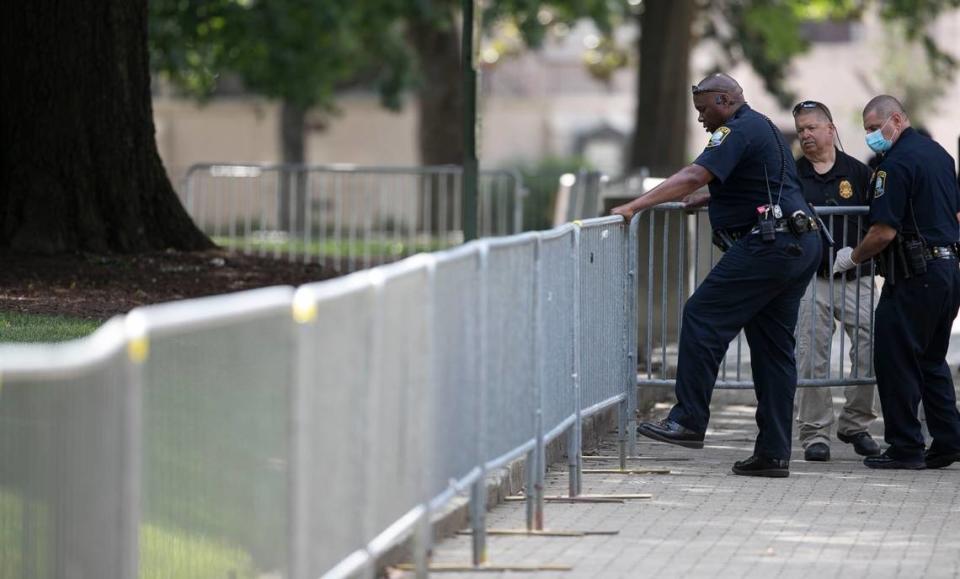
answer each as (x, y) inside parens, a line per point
(846, 189)
(718, 136)
(879, 183)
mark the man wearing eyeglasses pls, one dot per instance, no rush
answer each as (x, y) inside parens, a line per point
(772, 248)
(831, 177)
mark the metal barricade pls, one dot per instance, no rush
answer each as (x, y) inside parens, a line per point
(69, 470)
(676, 254)
(331, 480)
(304, 434)
(216, 446)
(343, 216)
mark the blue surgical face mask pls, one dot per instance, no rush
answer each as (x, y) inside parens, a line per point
(877, 142)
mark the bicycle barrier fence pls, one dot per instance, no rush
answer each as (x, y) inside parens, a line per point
(305, 432)
(677, 253)
(344, 216)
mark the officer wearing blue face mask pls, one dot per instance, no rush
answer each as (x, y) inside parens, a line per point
(913, 234)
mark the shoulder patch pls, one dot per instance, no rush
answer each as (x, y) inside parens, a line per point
(718, 137)
(878, 184)
(846, 189)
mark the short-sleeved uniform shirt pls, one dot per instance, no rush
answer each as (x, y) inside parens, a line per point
(737, 154)
(847, 183)
(917, 169)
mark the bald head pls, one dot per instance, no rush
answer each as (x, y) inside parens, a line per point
(720, 83)
(883, 106)
(717, 98)
(884, 114)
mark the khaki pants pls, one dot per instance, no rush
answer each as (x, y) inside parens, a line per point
(815, 413)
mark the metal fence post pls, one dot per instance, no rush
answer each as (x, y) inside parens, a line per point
(478, 490)
(304, 313)
(632, 337)
(423, 537)
(138, 349)
(535, 458)
(519, 194)
(374, 378)
(574, 464)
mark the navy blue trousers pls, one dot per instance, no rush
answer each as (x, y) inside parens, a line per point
(755, 287)
(913, 322)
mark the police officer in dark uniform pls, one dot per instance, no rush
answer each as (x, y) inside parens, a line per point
(914, 232)
(830, 177)
(771, 248)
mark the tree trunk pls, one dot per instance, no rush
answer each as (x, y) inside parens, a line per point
(440, 121)
(439, 115)
(293, 186)
(79, 166)
(663, 103)
(659, 143)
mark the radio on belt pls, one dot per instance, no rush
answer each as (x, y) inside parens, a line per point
(767, 217)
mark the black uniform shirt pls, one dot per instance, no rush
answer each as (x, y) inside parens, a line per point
(917, 169)
(847, 183)
(737, 154)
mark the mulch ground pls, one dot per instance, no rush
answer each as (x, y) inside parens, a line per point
(100, 286)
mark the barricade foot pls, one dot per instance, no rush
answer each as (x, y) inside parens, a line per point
(541, 533)
(601, 458)
(587, 498)
(486, 568)
(636, 471)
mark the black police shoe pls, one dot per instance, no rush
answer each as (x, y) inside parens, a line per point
(863, 443)
(817, 452)
(760, 466)
(940, 459)
(672, 432)
(888, 462)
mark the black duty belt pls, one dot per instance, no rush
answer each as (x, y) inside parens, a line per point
(782, 226)
(941, 252)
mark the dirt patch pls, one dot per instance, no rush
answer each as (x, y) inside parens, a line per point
(99, 286)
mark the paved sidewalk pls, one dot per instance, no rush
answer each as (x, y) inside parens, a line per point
(835, 519)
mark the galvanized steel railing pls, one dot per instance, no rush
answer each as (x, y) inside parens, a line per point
(345, 216)
(303, 433)
(676, 255)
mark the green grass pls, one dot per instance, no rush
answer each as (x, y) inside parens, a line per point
(17, 327)
(164, 552)
(331, 248)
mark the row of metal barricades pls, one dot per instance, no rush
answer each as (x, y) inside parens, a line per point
(345, 217)
(304, 432)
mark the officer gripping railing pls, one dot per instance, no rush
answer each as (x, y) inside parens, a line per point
(346, 217)
(676, 255)
(304, 433)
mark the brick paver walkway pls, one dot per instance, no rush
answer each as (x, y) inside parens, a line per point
(835, 519)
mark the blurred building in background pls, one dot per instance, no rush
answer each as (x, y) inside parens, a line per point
(545, 104)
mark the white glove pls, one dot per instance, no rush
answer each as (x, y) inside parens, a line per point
(844, 260)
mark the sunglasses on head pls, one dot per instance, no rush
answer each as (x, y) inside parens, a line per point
(803, 106)
(697, 90)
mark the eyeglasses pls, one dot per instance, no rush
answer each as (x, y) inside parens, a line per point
(803, 106)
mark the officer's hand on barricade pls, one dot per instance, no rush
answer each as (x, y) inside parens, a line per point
(625, 211)
(844, 260)
(695, 201)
